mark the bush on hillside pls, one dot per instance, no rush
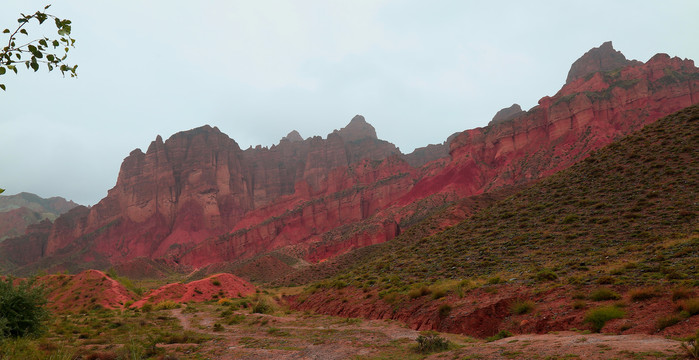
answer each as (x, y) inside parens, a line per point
(599, 316)
(22, 311)
(429, 342)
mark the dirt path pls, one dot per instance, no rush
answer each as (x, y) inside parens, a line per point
(296, 335)
(572, 345)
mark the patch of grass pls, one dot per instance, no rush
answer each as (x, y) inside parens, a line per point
(262, 307)
(545, 275)
(603, 294)
(430, 342)
(579, 304)
(599, 316)
(641, 294)
(522, 307)
(439, 293)
(500, 335)
(681, 293)
(444, 310)
(691, 306)
(418, 292)
(166, 305)
(666, 321)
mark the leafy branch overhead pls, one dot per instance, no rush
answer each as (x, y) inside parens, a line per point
(33, 53)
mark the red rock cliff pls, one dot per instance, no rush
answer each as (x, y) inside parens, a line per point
(197, 198)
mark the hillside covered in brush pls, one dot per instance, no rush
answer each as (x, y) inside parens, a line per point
(629, 210)
(615, 234)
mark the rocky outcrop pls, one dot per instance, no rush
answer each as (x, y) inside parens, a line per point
(603, 58)
(293, 136)
(506, 114)
(198, 199)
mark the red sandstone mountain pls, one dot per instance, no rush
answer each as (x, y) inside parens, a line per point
(198, 199)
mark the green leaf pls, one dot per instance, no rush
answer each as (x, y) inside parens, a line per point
(35, 65)
(2, 190)
(32, 48)
(2, 86)
(2, 70)
(43, 42)
(6, 31)
(50, 57)
(55, 43)
(23, 31)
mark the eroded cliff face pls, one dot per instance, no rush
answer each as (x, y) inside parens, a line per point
(198, 199)
(199, 185)
(586, 114)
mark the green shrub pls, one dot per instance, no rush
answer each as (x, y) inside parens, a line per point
(429, 342)
(545, 275)
(216, 282)
(640, 294)
(579, 304)
(602, 294)
(166, 305)
(666, 321)
(495, 280)
(599, 316)
(681, 293)
(22, 308)
(500, 335)
(439, 293)
(262, 307)
(691, 306)
(418, 292)
(444, 310)
(522, 307)
(235, 319)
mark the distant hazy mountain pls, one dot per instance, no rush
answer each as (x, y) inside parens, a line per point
(23, 209)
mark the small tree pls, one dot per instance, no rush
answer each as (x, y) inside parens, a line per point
(32, 53)
(22, 308)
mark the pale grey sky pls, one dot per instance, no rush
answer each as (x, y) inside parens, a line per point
(417, 70)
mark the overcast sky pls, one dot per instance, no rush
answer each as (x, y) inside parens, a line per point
(417, 70)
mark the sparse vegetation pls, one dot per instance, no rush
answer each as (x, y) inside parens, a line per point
(262, 307)
(691, 306)
(603, 294)
(522, 307)
(666, 321)
(691, 347)
(500, 335)
(641, 294)
(430, 342)
(599, 316)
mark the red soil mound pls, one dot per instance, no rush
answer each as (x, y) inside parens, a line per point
(215, 286)
(88, 289)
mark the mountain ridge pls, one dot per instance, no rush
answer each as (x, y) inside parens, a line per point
(198, 199)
